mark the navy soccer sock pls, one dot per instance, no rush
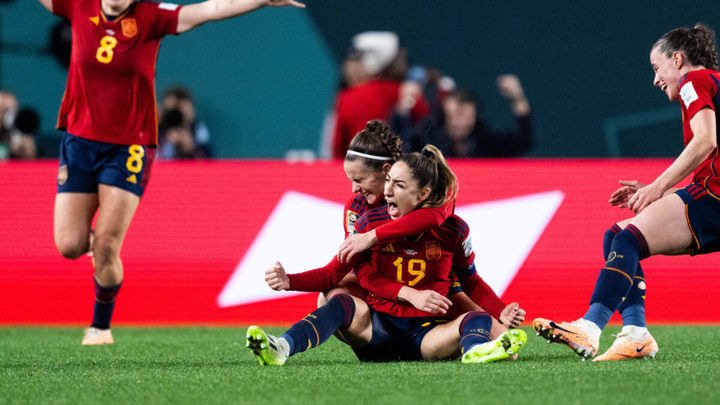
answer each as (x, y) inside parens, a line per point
(608, 238)
(475, 329)
(627, 248)
(104, 305)
(320, 324)
(633, 308)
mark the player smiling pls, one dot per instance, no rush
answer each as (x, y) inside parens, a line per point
(110, 118)
(669, 221)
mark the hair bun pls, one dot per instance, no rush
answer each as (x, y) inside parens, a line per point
(376, 125)
(427, 153)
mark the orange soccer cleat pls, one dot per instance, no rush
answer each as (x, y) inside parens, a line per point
(95, 336)
(581, 335)
(632, 343)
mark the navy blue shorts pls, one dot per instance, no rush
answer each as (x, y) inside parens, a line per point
(702, 210)
(85, 163)
(396, 338)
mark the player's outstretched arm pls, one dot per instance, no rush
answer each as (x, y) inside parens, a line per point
(194, 15)
(47, 4)
(417, 221)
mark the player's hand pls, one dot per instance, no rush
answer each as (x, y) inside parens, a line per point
(622, 195)
(354, 244)
(282, 3)
(276, 278)
(512, 316)
(428, 301)
(644, 196)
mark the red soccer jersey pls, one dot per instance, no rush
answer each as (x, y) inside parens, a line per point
(110, 93)
(424, 262)
(698, 90)
(328, 276)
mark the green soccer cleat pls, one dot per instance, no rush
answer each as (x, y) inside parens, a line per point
(508, 344)
(267, 348)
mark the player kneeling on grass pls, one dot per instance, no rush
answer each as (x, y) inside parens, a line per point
(407, 280)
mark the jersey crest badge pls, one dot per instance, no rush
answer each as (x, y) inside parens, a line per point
(688, 94)
(129, 27)
(433, 251)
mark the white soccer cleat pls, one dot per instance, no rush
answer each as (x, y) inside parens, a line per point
(95, 336)
(632, 343)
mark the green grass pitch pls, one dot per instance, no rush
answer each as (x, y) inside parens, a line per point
(211, 365)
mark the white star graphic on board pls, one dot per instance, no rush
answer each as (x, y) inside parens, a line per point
(303, 232)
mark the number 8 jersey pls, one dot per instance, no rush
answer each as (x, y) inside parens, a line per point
(110, 93)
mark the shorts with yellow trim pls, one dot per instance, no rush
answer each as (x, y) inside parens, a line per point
(702, 211)
(85, 163)
(396, 338)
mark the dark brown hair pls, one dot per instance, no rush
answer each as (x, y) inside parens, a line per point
(697, 43)
(430, 169)
(378, 140)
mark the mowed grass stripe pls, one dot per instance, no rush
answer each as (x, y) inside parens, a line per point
(211, 365)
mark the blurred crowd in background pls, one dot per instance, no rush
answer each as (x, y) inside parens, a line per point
(422, 104)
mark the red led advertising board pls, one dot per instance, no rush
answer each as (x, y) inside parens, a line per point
(205, 232)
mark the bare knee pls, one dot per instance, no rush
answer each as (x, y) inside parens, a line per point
(323, 298)
(106, 249)
(72, 247)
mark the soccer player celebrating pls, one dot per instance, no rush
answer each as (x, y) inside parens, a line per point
(370, 155)
(669, 221)
(369, 158)
(110, 119)
(408, 281)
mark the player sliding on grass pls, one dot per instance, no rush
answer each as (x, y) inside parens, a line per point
(669, 221)
(110, 119)
(369, 158)
(408, 281)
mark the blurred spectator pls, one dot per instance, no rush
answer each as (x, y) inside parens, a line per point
(22, 134)
(181, 135)
(8, 111)
(373, 72)
(353, 71)
(457, 129)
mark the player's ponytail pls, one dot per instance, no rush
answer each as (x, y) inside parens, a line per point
(697, 43)
(375, 145)
(430, 169)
